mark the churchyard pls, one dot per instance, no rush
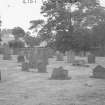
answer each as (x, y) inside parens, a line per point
(32, 87)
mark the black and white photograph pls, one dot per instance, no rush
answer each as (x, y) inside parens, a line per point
(52, 52)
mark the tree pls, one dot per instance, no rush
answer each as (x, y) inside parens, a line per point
(18, 32)
(36, 24)
(66, 22)
(31, 41)
(98, 35)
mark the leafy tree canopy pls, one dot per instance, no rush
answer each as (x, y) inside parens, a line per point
(31, 41)
(35, 24)
(68, 22)
(18, 32)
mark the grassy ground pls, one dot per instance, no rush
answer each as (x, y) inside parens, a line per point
(32, 88)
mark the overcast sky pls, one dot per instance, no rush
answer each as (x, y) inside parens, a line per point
(16, 13)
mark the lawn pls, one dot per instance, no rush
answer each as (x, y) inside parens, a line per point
(32, 88)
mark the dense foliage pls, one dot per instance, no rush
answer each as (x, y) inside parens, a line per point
(18, 32)
(72, 26)
(31, 41)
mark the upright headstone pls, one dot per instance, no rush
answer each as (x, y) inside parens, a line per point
(98, 72)
(7, 52)
(27, 53)
(43, 55)
(60, 74)
(3, 74)
(91, 58)
(38, 54)
(20, 57)
(70, 57)
(33, 57)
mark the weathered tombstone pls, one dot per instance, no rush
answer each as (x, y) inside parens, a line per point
(98, 72)
(37, 54)
(20, 57)
(60, 74)
(42, 55)
(91, 58)
(3, 74)
(25, 66)
(7, 52)
(27, 53)
(33, 57)
(70, 57)
(59, 56)
(41, 67)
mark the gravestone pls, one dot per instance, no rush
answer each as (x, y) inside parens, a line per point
(43, 55)
(41, 67)
(91, 58)
(98, 72)
(38, 54)
(7, 52)
(25, 66)
(21, 56)
(3, 74)
(70, 57)
(33, 57)
(60, 74)
(27, 53)
(59, 56)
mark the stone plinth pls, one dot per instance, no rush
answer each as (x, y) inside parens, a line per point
(60, 74)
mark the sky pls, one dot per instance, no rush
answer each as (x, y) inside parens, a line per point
(16, 13)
